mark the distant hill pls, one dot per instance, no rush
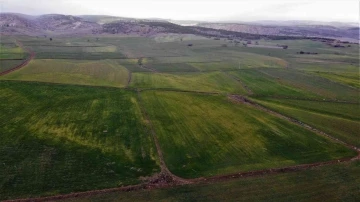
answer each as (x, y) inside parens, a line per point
(297, 28)
(57, 24)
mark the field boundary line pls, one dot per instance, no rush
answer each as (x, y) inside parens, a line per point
(165, 176)
(308, 99)
(248, 90)
(181, 91)
(194, 181)
(23, 64)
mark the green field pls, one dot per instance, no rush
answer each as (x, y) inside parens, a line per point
(83, 72)
(79, 117)
(323, 88)
(204, 135)
(330, 183)
(209, 82)
(341, 120)
(61, 138)
(351, 79)
(10, 50)
(264, 85)
(9, 64)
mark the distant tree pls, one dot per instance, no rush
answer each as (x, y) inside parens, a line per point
(301, 52)
(190, 44)
(285, 46)
(50, 39)
(7, 25)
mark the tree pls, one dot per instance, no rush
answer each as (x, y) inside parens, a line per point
(50, 39)
(285, 46)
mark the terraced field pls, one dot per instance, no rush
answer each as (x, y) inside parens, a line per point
(203, 135)
(84, 72)
(61, 138)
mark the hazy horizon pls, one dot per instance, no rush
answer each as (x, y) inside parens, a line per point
(196, 10)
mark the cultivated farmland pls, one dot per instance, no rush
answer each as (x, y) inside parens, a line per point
(61, 138)
(204, 135)
(105, 113)
(84, 72)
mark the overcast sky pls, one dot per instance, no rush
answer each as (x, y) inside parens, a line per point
(214, 10)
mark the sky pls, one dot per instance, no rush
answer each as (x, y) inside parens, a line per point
(202, 10)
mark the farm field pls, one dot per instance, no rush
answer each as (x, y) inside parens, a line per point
(9, 64)
(263, 85)
(84, 72)
(105, 111)
(323, 88)
(330, 183)
(62, 138)
(351, 79)
(208, 82)
(341, 120)
(204, 135)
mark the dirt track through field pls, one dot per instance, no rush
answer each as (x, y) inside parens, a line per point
(165, 179)
(23, 64)
(248, 90)
(165, 176)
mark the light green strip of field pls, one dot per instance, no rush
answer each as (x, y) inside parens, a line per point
(83, 72)
(63, 138)
(209, 82)
(203, 135)
(351, 79)
(324, 88)
(337, 119)
(264, 85)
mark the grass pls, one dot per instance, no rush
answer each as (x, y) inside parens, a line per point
(338, 119)
(203, 135)
(97, 73)
(209, 82)
(61, 139)
(330, 183)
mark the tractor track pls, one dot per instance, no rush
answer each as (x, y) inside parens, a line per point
(165, 179)
(23, 64)
(248, 90)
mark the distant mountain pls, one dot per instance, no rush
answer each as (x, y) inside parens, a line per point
(57, 24)
(289, 28)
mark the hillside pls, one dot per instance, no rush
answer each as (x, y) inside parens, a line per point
(56, 24)
(308, 30)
